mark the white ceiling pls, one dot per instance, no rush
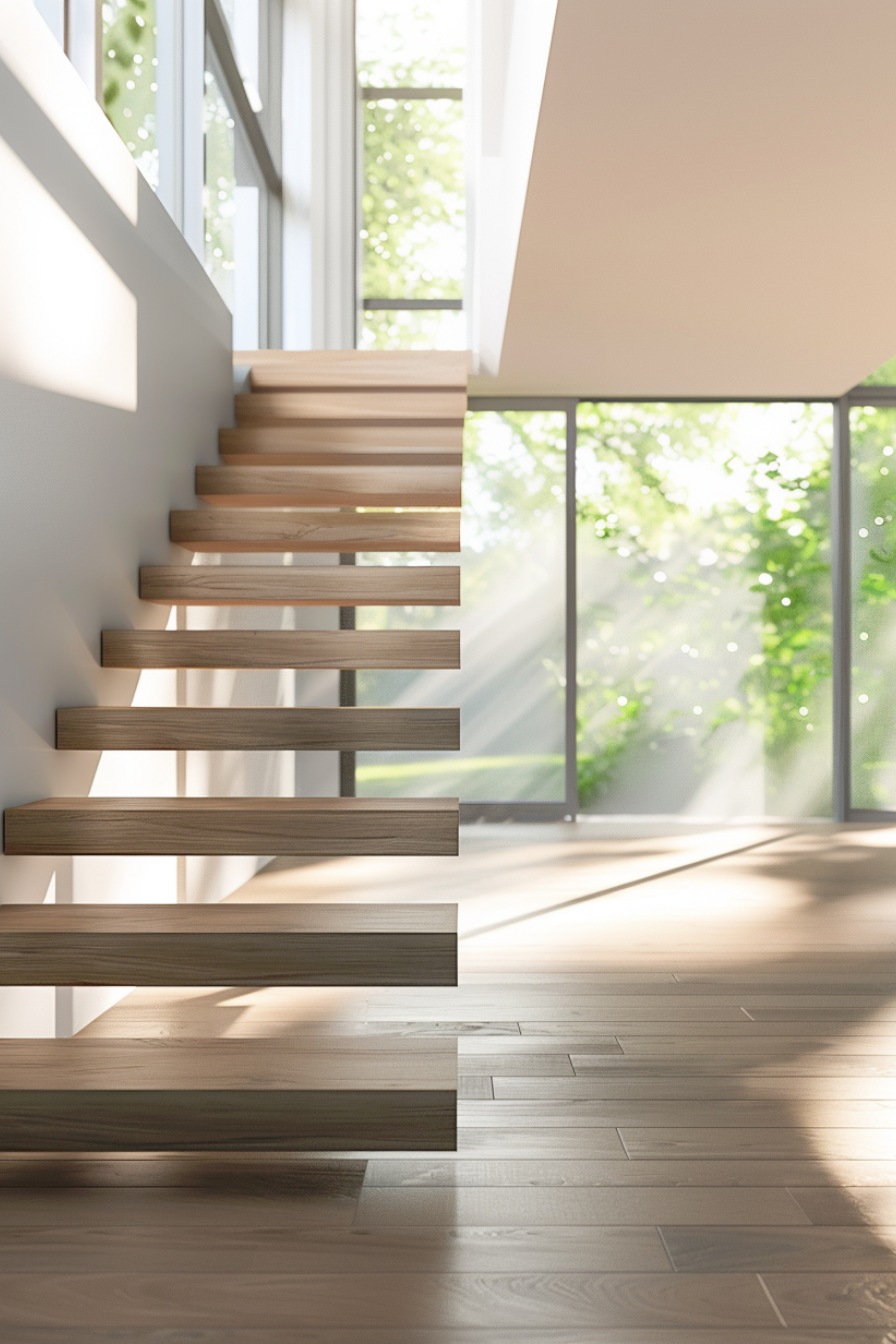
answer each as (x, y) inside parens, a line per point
(711, 209)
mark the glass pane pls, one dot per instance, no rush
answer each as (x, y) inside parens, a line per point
(243, 21)
(220, 188)
(511, 687)
(412, 205)
(874, 607)
(885, 376)
(415, 330)
(704, 609)
(129, 78)
(411, 42)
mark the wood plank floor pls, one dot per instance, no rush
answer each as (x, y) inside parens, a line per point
(678, 1118)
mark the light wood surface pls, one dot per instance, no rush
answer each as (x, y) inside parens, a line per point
(779, 1230)
(228, 944)
(414, 444)
(316, 369)
(345, 487)
(282, 648)
(315, 586)
(227, 530)
(299, 826)
(82, 1094)
(238, 728)
(361, 407)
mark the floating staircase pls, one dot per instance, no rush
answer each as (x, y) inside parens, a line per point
(318, 437)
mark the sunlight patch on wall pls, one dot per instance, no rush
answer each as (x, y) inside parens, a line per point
(69, 323)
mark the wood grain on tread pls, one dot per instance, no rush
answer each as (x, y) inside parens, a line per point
(130, 1096)
(227, 530)
(126, 728)
(282, 648)
(228, 944)
(299, 826)
(228, 1119)
(360, 407)
(336, 1062)
(292, 585)
(412, 443)
(382, 487)
(316, 369)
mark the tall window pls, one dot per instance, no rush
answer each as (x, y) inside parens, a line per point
(130, 78)
(215, 168)
(704, 599)
(412, 204)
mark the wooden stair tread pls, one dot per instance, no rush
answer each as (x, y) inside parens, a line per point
(231, 917)
(385, 487)
(360, 406)
(197, 1065)
(96, 1095)
(236, 728)
(288, 826)
(354, 442)
(317, 369)
(351, 649)
(317, 585)
(247, 530)
(229, 944)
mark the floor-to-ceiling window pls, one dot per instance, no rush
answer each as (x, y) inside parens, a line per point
(513, 629)
(704, 608)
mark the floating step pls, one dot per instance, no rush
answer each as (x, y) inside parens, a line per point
(281, 370)
(362, 407)
(126, 728)
(344, 444)
(299, 649)
(215, 1095)
(328, 487)
(290, 826)
(294, 586)
(228, 944)
(247, 530)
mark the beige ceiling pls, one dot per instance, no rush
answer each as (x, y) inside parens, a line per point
(711, 208)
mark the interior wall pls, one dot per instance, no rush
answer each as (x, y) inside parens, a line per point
(115, 373)
(510, 46)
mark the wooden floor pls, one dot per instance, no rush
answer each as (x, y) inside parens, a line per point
(678, 1061)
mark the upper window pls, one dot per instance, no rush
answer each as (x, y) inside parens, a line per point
(412, 209)
(130, 78)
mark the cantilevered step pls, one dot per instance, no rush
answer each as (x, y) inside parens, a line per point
(247, 530)
(129, 728)
(445, 406)
(284, 370)
(292, 585)
(343, 445)
(229, 944)
(213, 1095)
(329, 487)
(300, 649)
(290, 826)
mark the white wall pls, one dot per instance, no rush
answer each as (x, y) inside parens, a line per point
(115, 373)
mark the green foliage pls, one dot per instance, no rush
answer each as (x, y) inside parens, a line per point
(885, 376)
(714, 520)
(412, 204)
(874, 579)
(129, 78)
(413, 196)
